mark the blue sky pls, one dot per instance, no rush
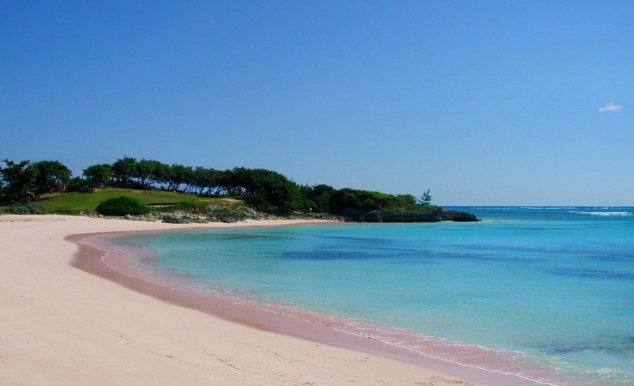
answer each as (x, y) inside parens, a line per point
(484, 102)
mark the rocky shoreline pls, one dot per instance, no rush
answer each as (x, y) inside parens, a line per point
(215, 214)
(434, 214)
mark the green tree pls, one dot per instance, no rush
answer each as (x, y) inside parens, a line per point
(51, 176)
(359, 200)
(264, 190)
(402, 202)
(320, 197)
(204, 180)
(148, 172)
(98, 176)
(178, 175)
(19, 182)
(425, 199)
(25, 181)
(123, 171)
(161, 173)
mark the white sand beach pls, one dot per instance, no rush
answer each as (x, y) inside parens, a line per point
(64, 326)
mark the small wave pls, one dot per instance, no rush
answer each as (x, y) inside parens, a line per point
(514, 364)
(602, 213)
(546, 207)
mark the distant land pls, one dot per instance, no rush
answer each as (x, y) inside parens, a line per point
(178, 193)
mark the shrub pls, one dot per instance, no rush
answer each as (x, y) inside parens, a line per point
(122, 206)
(27, 209)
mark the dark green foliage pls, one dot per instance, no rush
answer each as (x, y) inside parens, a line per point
(177, 176)
(123, 170)
(204, 180)
(368, 206)
(403, 203)
(351, 200)
(426, 198)
(27, 209)
(460, 216)
(98, 176)
(319, 197)
(78, 184)
(148, 172)
(429, 213)
(145, 174)
(51, 176)
(26, 182)
(18, 182)
(264, 190)
(122, 206)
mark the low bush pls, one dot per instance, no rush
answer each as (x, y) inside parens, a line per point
(27, 209)
(122, 206)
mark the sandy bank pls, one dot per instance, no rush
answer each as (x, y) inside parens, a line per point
(63, 326)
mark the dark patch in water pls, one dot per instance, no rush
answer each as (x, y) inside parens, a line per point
(362, 240)
(617, 346)
(325, 255)
(496, 259)
(613, 257)
(397, 255)
(248, 237)
(593, 274)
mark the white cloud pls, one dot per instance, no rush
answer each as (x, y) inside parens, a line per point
(610, 108)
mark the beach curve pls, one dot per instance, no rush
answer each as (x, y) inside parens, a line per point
(77, 328)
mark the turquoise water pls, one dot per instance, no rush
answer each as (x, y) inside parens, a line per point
(543, 293)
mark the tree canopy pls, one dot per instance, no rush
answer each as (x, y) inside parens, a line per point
(25, 181)
(264, 190)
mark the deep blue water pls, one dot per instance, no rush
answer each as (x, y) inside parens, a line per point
(548, 289)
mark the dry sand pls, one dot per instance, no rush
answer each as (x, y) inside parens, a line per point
(63, 326)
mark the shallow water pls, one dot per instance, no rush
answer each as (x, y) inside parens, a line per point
(543, 293)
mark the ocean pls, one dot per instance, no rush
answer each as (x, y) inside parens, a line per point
(543, 293)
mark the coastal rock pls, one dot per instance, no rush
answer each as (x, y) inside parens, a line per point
(435, 214)
(225, 215)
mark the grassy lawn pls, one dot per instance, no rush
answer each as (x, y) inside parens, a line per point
(74, 203)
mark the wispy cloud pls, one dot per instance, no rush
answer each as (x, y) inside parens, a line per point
(610, 108)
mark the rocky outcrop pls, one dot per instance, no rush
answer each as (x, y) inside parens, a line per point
(215, 213)
(435, 214)
(224, 214)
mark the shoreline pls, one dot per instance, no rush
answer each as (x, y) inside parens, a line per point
(388, 362)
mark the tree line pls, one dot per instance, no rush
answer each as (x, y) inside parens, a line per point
(262, 189)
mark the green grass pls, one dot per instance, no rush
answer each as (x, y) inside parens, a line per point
(74, 203)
